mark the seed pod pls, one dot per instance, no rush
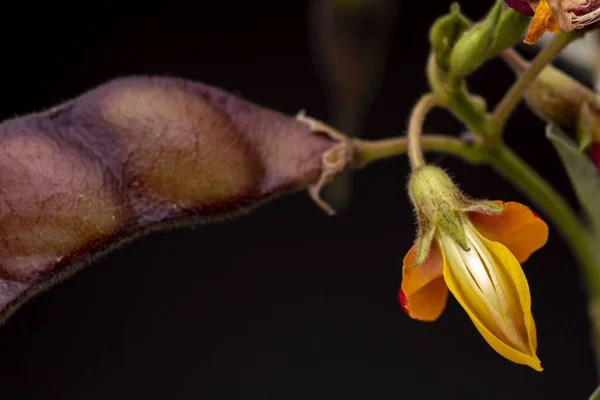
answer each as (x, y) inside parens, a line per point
(553, 95)
(137, 154)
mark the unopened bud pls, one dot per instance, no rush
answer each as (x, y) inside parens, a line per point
(444, 34)
(474, 47)
(510, 30)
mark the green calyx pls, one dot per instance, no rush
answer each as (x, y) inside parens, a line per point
(438, 203)
(441, 208)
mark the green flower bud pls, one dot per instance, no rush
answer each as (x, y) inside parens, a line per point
(444, 34)
(510, 30)
(474, 47)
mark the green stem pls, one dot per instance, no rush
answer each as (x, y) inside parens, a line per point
(458, 101)
(554, 207)
(512, 97)
(367, 151)
(463, 106)
(415, 127)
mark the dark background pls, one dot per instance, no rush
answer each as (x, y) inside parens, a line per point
(284, 303)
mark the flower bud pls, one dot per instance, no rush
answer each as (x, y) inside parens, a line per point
(473, 48)
(511, 28)
(445, 32)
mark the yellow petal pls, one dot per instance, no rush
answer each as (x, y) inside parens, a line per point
(543, 21)
(490, 285)
(423, 293)
(516, 227)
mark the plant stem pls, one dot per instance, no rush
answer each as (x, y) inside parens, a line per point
(512, 97)
(515, 61)
(415, 127)
(458, 101)
(554, 207)
(367, 151)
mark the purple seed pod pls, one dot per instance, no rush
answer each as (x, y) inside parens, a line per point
(134, 155)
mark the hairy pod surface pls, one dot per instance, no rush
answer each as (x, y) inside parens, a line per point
(130, 156)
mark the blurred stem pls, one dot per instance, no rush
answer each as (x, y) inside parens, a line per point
(514, 169)
(513, 96)
(514, 61)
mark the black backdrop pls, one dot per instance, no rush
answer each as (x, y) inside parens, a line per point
(284, 303)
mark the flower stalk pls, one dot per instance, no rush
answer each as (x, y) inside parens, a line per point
(415, 127)
(368, 151)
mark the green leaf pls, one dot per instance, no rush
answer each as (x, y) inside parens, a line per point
(596, 394)
(582, 173)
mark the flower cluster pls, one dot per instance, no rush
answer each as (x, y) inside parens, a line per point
(550, 15)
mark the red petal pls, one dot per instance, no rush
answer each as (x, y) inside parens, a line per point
(403, 302)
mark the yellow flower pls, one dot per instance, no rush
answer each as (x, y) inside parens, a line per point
(483, 273)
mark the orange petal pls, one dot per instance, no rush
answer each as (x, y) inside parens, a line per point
(516, 227)
(543, 21)
(423, 293)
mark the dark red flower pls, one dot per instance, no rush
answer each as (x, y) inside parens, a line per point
(521, 6)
